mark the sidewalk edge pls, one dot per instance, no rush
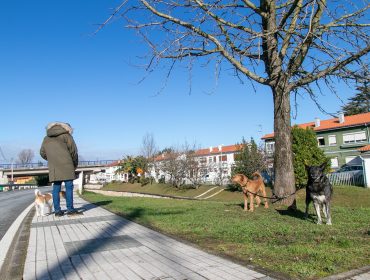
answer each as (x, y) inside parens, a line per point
(7, 240)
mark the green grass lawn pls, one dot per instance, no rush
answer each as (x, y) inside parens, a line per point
(274, 238)
(162, 189)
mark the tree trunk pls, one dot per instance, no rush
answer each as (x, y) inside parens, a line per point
(283, 161)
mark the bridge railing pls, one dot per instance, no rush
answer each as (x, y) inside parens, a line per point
(44, 164)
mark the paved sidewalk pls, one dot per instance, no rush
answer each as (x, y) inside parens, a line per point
(101, 245)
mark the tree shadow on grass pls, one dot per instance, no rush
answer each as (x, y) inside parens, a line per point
(241, 205)
(298, 214)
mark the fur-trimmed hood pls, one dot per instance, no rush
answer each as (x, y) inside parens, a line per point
(57, 128)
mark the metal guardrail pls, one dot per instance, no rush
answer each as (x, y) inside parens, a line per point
(12, 187)
(350, 178)
(37, 165)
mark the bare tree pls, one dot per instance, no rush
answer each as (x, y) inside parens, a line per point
(149, 150)
(148, 146)
(174, 165)
(25, 156)
(181, 165)
(290, 46)
(192, 164)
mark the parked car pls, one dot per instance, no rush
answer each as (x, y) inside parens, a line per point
(346, 168)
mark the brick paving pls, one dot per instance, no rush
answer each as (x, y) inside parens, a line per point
(101, 245)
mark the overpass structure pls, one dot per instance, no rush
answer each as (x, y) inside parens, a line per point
(84, 169)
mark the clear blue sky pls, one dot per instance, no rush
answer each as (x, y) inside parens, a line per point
(53, 69)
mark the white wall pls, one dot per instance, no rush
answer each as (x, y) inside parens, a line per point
(366, 164)
(212, 169)
(108, 176)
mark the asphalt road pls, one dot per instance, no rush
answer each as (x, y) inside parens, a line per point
(12, 204)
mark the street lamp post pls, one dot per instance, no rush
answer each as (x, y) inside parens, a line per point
(221, 166)
(12, 170)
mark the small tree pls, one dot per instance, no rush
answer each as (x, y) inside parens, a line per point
(133, 166)
(305, 151)
(148, 151)
(193, 167)
(181, 165)
(174, 165)
(249, 159)
(220, 168)
(360, 103)
(25, 156)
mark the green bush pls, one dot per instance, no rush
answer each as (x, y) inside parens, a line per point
(144, 181)
(162, 180)
(249, 159)
(306, 151)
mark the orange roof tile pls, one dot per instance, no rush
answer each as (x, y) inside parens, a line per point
(215, 150)
(330, 124)
(364, 148)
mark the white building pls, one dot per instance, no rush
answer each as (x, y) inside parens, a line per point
(109, 174)
(213, 165)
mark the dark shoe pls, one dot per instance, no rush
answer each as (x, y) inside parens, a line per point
(59, 214)
(72, 212)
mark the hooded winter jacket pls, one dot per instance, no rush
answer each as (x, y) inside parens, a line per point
(60, 150)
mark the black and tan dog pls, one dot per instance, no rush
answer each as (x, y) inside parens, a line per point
(319, 190)
(251, 188)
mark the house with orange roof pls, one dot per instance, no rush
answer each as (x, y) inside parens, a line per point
(342, 139)
(214, 164)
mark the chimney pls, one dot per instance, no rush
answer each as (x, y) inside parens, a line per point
(317, 122)
(219, 148)
(341, 117)
(210, 149)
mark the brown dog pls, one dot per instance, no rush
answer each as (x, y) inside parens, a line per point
(250, 188)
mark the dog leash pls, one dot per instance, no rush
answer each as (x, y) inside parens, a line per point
(274, 196)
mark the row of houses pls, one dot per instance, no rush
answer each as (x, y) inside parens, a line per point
(343, 140)
(215, 165)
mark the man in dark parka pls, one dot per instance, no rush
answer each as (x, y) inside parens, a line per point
(60, 150)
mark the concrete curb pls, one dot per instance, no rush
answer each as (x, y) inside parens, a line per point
(350, 274)
(7, 240)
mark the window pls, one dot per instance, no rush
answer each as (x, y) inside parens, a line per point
(321, 141)
(210, 159)
(222, 158)
(334, 162)
(332, 140)
(357, 137)
(270, 147)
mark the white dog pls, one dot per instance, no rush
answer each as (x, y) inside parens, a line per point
(44, 202)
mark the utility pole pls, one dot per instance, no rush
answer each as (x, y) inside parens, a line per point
(12, 172)
(12, 167)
